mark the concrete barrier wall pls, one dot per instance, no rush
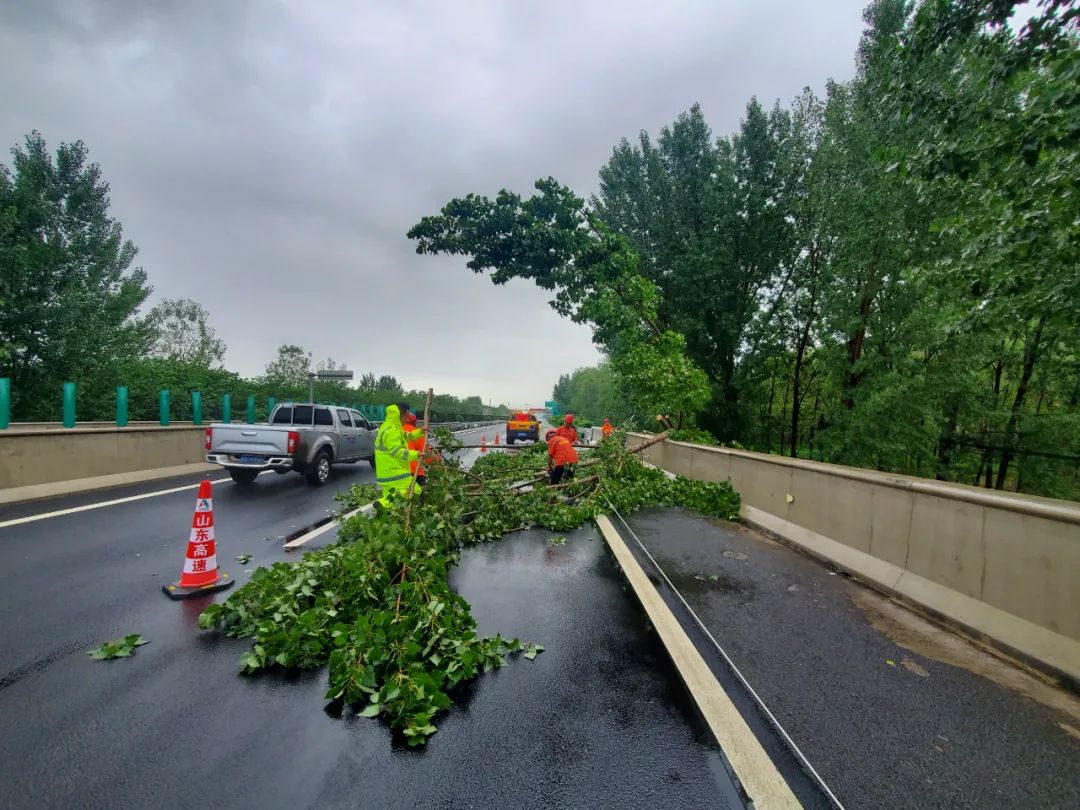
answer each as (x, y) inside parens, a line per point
(1006, 566)
(31, 457)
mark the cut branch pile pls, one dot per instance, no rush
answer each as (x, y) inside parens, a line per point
(376, 608)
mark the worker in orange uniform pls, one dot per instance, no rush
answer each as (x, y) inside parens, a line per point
(567, 429)
(415, 440)
(605, 428)
(561, 457)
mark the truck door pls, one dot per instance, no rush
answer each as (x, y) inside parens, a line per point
(365, 434)
(350, 440)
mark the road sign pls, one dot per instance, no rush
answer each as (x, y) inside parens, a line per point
(325, 374)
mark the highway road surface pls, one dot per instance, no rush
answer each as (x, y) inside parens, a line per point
(600, 719)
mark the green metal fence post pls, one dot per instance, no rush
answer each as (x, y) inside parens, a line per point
(196, 407)
(226, 408)
(251, 409)
(121, 406)
(271, 403)
(163, 407)
(69, 404)
(5, 402)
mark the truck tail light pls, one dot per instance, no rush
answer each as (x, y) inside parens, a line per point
(209, 436)
(294, 439)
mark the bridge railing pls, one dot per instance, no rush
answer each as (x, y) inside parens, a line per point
(1002, 565)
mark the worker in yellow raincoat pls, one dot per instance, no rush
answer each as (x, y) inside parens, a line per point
(392, 456)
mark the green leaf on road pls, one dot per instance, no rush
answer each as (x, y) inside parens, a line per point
(120, 648)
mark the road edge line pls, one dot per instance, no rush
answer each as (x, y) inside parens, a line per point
(760, 778)
(97, 483)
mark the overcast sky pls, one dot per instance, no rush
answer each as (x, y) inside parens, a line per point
(268, 157)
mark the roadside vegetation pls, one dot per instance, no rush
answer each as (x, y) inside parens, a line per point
(886, 276)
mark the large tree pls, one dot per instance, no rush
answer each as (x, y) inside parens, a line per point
(70, 291)
(291, 366)
(554, 239)
(180, 330)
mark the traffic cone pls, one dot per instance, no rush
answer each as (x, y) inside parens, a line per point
(483, 443)
(200, 574)
(496, 439)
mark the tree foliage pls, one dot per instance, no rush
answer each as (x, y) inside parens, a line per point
(291, 367)
(69, 289)
(377, 610)
(554, 239)
(180, 330)
(886, 276)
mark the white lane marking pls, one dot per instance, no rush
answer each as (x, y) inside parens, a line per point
(101, 504)
(333, 524)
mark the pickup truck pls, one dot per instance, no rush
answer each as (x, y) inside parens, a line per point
(522, 425)
(306, 438)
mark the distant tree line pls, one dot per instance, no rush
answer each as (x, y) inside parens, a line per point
(888, 276)
(70, 299)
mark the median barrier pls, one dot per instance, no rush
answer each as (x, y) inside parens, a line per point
(1002, 565)
(35, 456)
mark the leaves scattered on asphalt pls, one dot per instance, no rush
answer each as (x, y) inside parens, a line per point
(120, 648)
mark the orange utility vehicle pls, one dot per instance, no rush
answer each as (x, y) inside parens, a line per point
(522, 425)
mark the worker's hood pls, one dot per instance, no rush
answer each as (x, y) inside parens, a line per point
(393, 414)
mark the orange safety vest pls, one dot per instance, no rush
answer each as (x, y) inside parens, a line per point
(561, 452)
(568, 432)
(415, 440)
(606, 429)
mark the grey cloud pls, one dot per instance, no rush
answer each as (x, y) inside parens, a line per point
(268, 157)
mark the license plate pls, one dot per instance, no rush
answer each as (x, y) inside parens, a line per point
(252, 460)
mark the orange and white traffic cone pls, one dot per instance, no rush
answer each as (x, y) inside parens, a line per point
(200, 574)
(483, 443)
(496, 439)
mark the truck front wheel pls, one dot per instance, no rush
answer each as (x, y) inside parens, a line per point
(244, 476)
(319, 472)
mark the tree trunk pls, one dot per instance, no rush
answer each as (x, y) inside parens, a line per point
(945, 443)
(1031, 355)
(858, 338)
(796, 383)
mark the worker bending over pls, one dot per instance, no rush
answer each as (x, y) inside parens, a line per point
(561, 457)
(415, 440)
(567, 429)
(392, 457)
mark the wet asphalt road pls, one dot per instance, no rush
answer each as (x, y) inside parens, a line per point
(598, 720)
(916, 733)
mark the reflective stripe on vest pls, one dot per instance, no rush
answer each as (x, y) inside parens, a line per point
(392, 478)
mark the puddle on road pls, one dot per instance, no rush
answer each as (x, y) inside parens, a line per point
(914, 633)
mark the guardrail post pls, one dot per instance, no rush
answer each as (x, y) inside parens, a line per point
(382, 413)
(226, 408)
(5, 402)
(271, 403)
(163, 407)
(250, 409)
(121, 406)
(69, 404)
(196, 407)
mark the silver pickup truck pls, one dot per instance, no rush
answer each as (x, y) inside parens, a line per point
(305, 438)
